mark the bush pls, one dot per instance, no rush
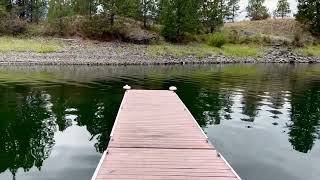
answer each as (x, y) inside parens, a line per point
(298, 40)
(59, 27)
(3, 16)
(234, 37)
(217, 40)
(15, 26)
(11, 24)
(98, 27)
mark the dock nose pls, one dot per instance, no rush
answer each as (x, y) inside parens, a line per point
(172, 88)
(127, 87)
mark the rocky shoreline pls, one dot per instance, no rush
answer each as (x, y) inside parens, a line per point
(114, 53)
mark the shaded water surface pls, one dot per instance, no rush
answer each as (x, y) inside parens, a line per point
(265, 119)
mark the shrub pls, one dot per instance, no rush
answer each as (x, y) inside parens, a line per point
(98, 27)
(59, 26)
(15, 26)
(298, 39)
(10, 23)
(217, 40)
(3, 16)
(234, 37)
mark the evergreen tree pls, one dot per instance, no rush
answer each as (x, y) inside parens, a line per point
(33, 10)
(309, 13)
(125, 8)
(7, 4)
(283, 8)
(256, 10)
(110, 7)
(233, 9)
(58, 10)
(213, 13)
(148, 11)
(84, 7)
(180, 17)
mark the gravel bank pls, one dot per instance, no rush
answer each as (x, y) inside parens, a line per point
(116, 53)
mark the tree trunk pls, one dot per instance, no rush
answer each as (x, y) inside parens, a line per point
(112, 18)
(31, 11)
(145, 22)
(221, 9)
(90, 8)
(233, 13)
(211, 29)
(318, 17)
(21, 4)
(60, 18)
(36, 12)
(144, 14)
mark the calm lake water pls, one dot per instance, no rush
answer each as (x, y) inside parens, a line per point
(265, 119)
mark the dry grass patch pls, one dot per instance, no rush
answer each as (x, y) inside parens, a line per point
(275, 29)
(203, 50)
(10, 44)
(312, 50)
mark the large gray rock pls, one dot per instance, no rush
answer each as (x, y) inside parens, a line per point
(139, 36)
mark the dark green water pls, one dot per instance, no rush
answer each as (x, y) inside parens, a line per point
(265, 119)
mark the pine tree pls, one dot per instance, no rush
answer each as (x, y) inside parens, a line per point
(7, 4)
(256, 10)
(34, 10)
(110, 7)
(124, 8)
(233, 9)
(180, 17)
(84, 7)
(213, 13)
(283, 8)
(58, 10)
(309, 13)
(148, 11)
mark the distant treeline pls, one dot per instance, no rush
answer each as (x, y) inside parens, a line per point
(177, 18)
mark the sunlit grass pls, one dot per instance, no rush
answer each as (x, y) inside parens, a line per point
(10, 44)
(310, 50)
(240, 50)
(203, 50)
(180, 50)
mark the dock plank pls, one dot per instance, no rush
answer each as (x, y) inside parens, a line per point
(156, 137)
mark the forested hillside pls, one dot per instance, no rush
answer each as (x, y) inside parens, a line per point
(144, 20)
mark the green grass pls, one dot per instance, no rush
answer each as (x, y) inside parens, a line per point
(10, 44)
(309, 50)
(203, 50)
(240, 50)
(177, 50)
(217, 39)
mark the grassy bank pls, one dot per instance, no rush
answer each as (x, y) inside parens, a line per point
(10, 44)
(312, 50)
(287, 30)
(200, 50)
(203, 50)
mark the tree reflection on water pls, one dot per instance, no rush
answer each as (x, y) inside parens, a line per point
(30, 116)
(305, 118)
(27, 131)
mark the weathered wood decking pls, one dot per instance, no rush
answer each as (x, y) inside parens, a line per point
(156, 137)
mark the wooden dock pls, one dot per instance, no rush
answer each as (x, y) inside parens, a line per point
(156, 137)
